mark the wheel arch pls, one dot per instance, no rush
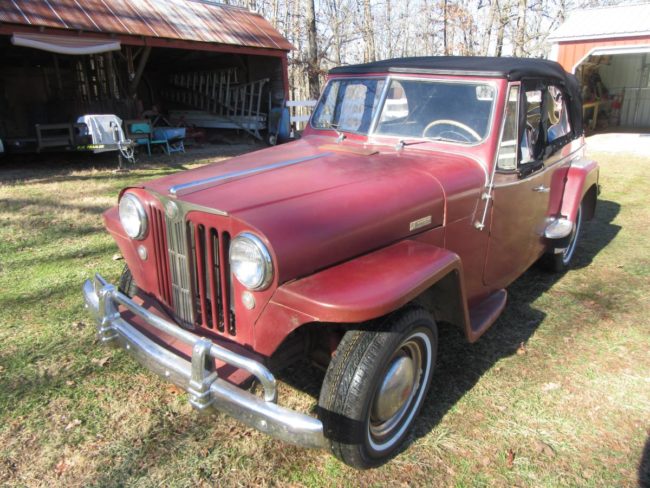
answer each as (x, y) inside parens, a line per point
(582, 182)
(366, 288)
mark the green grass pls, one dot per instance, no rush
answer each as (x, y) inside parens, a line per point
(574, 409)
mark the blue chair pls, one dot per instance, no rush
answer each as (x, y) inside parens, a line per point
(141, 132)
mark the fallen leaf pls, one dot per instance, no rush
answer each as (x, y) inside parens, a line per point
(174, 390)
(521, 349)
(510, 460)
(101, 362)
(61, 466)
(73, 424)
(117, 257)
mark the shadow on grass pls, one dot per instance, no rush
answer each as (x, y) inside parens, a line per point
(644, 466)
(460, 365)
(47, 204)
(56, 167)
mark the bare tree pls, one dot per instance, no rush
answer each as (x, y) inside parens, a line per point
(312, 50)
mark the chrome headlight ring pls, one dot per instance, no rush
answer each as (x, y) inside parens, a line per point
(251, 262)
(133, 216)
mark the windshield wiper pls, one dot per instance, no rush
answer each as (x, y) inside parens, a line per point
(401, 144)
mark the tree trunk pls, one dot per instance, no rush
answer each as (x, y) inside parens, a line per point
(368, 34)
(503, 20)
(445, 21)
(312, 54)
(485, 47)
(521, 29)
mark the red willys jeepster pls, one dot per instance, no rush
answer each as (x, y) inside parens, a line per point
(421, 189)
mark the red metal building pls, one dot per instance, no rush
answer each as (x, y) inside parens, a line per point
(608, 49)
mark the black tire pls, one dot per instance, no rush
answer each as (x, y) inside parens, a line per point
(560, 262)
(127, 284)
(361, 429)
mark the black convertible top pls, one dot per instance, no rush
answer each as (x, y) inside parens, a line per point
(513, 69)
(502, 67)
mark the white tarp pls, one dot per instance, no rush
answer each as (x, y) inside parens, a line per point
(64, 44)
(105, 130)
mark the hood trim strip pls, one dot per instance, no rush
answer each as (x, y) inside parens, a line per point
(185, 188)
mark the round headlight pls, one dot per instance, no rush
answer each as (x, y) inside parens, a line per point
(132, 216)
(250, 261)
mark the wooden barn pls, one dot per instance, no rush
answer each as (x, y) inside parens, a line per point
(197, 62)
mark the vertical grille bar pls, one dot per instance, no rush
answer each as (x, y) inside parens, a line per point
(212, 245)
(199, 253)
(160, 254)
(228, 319)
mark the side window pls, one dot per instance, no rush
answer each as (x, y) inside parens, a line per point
(531, 142)
(507, 159)
(555, 114)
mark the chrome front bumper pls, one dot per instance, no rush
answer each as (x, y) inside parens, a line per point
(198, 377)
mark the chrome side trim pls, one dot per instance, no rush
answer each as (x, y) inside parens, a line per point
(198, 376)
(185, 188)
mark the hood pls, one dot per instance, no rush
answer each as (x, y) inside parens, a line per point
(319, 203)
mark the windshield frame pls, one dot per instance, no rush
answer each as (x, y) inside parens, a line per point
(384, 95)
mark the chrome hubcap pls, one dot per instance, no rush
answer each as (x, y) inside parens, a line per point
(395, 389)
(394, 397)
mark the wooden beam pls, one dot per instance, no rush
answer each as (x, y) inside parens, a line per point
(133, 87)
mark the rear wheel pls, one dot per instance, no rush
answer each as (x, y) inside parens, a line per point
(375, 386)
(559, 262)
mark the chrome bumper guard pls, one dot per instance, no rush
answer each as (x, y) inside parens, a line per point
(198, 377)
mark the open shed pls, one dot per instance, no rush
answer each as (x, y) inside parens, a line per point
(197, 62)
(608, 48)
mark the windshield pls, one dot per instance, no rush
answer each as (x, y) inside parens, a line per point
(429, 109)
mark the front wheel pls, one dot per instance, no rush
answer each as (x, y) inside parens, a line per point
(375, 386)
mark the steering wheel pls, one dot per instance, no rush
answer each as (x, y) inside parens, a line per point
(454, 123)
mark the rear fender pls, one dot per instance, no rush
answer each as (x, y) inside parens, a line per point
(365, 288)
(582, 184)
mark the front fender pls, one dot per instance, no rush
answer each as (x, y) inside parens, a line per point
(364, 288)
(582, 176)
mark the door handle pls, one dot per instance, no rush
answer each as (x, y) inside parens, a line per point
(541, 189)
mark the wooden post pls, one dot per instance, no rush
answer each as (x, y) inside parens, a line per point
(133, 87)
(57, 74)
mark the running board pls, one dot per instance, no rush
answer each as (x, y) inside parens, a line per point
(485, 313)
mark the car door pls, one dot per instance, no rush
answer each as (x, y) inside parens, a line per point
(528, 171)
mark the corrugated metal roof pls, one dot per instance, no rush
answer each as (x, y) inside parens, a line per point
(193, 20)
(604, 23)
